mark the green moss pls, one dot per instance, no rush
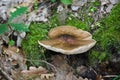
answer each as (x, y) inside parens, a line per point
(97, 57)
(72, 21)
(38, 31)
(107, 36)
(30, 44)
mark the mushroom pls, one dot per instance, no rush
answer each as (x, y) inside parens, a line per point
(68, 40)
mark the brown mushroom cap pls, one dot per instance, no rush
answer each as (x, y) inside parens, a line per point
(68, 30)
(68, 40)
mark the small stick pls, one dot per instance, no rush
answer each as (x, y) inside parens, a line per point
(44, 62)
(50, 65)
(107, 76)
(5, 74)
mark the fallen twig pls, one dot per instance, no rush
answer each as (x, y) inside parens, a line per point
(5, 74)
(107, 76)
(50, 65)
(44, 62)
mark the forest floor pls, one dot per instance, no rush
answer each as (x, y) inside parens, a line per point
(22, 58)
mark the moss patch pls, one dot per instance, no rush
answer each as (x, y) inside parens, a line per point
(107, 35)
(72, 21)
(38, 31)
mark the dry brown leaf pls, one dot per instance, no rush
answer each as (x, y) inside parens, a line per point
(71, 76)
(15, 57)
(109, 8)
(39, 73)
(16, 75)
(114, 1)
(33, 71)
(62, 67)
(47, 76)
(99, 77)
(15, 54)
(80, 78)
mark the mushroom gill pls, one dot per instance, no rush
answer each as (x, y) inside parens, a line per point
(68, 40)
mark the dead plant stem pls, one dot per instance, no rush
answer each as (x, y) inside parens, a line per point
(7, 76)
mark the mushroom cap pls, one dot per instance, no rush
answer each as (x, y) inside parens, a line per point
(68, 30)
(68, 40)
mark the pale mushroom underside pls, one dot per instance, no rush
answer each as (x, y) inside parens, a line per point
(68, 50)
